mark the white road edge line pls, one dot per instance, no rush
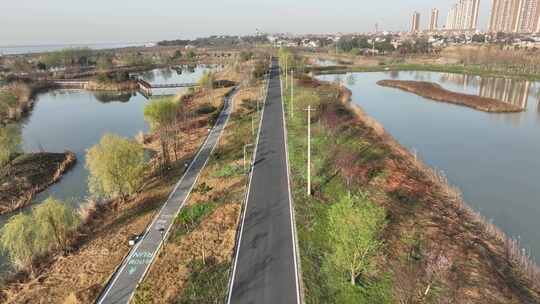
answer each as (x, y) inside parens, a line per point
(124, 262)
(252, 169)
(293, 222)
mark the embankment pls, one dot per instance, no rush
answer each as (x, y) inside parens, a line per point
(100, 244)
(17, 99)
(29, 174)
(436, 92)
(436, 249)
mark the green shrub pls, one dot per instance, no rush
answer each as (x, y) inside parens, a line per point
(116, 167)
(10, 143)
(26, 236)
(228, 171)
(160, 112)
(206, 108)
(191, 216)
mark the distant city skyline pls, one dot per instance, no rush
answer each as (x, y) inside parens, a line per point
(34, 22)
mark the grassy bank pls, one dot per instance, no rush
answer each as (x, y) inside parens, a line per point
(434, 91)
(194, 266)
(100, 244)
(476, 70)
(28, 174)
(427, 248)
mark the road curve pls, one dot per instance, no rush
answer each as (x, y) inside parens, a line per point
(265, 268)
(122, 285)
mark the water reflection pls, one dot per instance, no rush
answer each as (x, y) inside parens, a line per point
(492, 158)
(394, 74)
(466, 81)
(512, 91)
(106, 97)
(166, 74)
(507, 90)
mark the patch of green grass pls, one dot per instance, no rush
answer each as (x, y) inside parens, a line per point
(478, 70)
(191, 216)
(228, 170)
(207, 283)
(322, 283)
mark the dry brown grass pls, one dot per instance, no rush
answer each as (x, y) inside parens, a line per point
(216, 235)
(436, 92)
(102, 245)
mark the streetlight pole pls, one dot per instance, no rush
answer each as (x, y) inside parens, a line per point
(309, 151)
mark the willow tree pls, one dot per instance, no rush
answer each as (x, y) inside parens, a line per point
(116, 166)
(207, 84)
(354, 227)
(55, 221)
(10, 143)
(160, 112)
(18, 240)
(162, 115)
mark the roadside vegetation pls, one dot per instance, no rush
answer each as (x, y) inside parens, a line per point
(27, 236)
(116, 166)
(381, 227)
(340, 228)
(15, 99)
(194, 266)
(128, 186)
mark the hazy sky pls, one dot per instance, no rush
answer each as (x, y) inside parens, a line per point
(26, 22)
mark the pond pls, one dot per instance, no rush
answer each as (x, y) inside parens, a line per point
(76, 120)
(493, 158)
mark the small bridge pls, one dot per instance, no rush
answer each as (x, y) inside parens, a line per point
(146, 87)
(71, 83)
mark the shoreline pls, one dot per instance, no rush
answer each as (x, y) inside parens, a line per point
(436, 92)
(47, 167)
(100, 244)
(433, 245)
(511, 263)
(439, 68)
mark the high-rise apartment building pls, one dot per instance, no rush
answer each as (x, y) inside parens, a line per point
(463, 15)
(415, 23)
(434, 20)
(517, 16)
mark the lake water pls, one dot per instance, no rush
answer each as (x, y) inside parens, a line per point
(493, 158)
(76, 120)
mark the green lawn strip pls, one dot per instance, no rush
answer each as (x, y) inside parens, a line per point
(324, 278)
(207, 283)
(479, 70)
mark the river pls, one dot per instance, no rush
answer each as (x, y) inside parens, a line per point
(493, 158)
(76, 120)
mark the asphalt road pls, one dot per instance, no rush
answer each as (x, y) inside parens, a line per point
(133, 269)
(265, 268)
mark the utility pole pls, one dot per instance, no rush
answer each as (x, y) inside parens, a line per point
(292, 94)
(286, 70)
(309, 151)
